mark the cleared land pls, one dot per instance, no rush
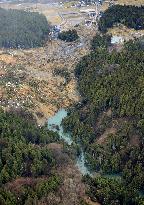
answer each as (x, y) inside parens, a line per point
(32, 78)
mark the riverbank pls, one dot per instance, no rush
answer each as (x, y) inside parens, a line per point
(55, 124)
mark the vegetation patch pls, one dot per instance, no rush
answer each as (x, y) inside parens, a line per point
(68, 36)
(25, 161)
(21, 29)
(109, 121)
(130, 16)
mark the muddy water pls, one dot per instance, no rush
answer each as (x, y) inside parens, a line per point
(54, 124)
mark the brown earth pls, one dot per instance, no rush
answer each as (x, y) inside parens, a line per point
(7, 59)
(28, 78)
(90, 202)
(71, 191)
(105, 135)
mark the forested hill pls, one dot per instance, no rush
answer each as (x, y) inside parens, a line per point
(25, 160)
(109, 122)
(130, 16)
(21, 29)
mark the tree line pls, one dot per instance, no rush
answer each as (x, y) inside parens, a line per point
(128, 15)
(25, 157)
(21, 29)
(111, 82)
(68, 36)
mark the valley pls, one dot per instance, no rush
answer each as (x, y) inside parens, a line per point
(31, 78)
(71, 128)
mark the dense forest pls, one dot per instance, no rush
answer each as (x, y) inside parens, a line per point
(109, 122)
(68, 36)
(21, 29)
(130, 16)
(25, 162)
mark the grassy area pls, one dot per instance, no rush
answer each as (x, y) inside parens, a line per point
(125, 32)
(105, 4)
(69, 4)
(130, 2)
(27, 78)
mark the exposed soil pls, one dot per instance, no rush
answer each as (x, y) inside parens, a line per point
(71, 191)
(88, 200)
(28, 79)
(125, 33)
(106, 134)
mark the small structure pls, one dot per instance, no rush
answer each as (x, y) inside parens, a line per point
(88, 22)
(117, 40)
(89, 12)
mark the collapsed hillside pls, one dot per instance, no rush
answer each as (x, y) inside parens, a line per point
(108, 123)
(41, 80)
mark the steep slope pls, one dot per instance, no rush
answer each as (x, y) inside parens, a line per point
(109, 121)
(35, 166)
